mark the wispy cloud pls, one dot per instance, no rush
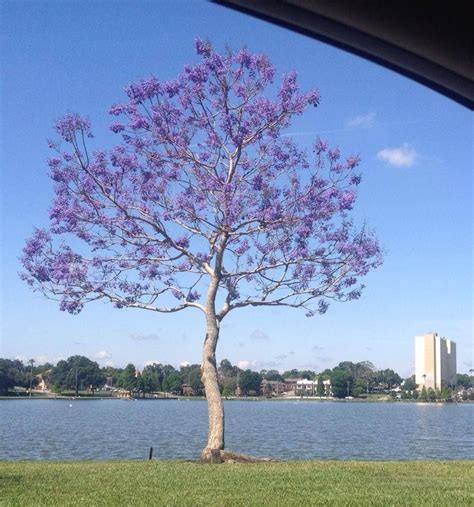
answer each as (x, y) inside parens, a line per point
(310, 365)
(42, 359)
(281, 357)
(312, 133)
(316, 348)
(361, 121)
(403, 156)
(102, 355)
(144, 337)
(325, 359)
(246, 363)
(258, 334)
(269, 364)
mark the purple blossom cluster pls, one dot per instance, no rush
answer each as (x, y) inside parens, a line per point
(72, 124)
(202, 186)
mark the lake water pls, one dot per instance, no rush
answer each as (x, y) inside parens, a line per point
(177, 429)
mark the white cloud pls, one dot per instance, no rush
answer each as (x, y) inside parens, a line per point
(362, 121)
(102, 355)
(403, 156)
(184, 364)
(246, 363)
(151, 362)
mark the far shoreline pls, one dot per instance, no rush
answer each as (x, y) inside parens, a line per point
(232, 399)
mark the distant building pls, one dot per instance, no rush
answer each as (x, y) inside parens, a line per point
(305, 386)
(327, 387)
(435, 361)
(272, 387)
(41, 384)
(187, 390)
(290, 385)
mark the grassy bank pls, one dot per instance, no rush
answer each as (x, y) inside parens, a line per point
(297, 483)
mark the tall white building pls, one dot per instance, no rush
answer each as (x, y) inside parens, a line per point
(435, 361)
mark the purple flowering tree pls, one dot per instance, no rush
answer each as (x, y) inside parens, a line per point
(205, 204)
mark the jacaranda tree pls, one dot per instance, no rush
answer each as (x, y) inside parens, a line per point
(205, 203)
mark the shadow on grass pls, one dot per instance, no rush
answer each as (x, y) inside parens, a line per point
(9, 480)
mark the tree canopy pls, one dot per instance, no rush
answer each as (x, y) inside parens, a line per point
(203, 182)
(14, 373)
(77, 372)
(206, 202)
(249, 382)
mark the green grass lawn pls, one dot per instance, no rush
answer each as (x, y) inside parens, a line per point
(293, 483)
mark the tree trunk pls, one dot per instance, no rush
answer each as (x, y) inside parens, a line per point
(214, 450)
(215, 405)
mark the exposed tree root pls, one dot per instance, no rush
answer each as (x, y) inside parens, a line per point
(233, 457)
(223, 456)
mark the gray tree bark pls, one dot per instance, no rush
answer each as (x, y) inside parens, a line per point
(215, 405)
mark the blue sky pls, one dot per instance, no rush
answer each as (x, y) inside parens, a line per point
(416, 149)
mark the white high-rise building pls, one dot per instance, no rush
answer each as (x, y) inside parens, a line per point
(435, 361)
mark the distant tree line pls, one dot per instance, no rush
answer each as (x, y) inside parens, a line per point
(79, 373)
(357, 379)
(14, 373)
